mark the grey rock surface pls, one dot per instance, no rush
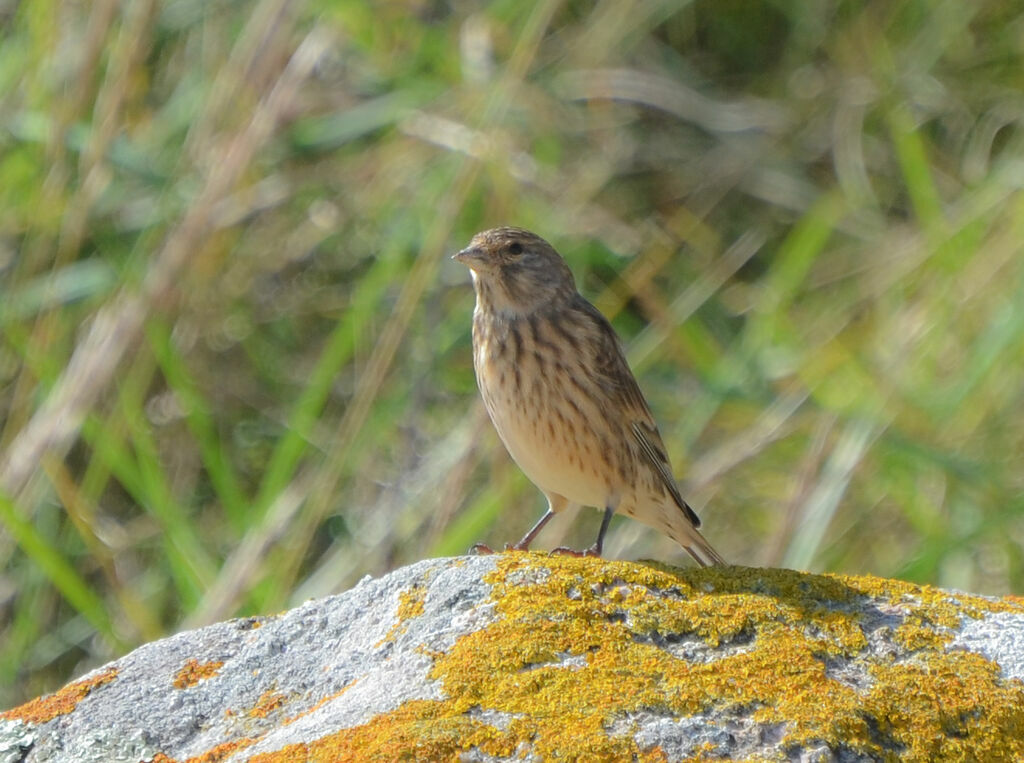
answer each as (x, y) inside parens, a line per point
(496, 658)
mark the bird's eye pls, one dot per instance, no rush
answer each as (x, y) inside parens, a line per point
(515, 248)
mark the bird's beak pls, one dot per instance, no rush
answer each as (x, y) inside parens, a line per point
(472, 257)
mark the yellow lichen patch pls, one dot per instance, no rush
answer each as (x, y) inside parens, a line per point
(62, 702)
(938, 606)
(268, 702)
(419, 730)
(193, 671)
(582, 648)
(426, 651)
(950, 706)
(410, 605)
(916, 633)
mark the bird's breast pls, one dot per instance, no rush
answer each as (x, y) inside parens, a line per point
(549, 425)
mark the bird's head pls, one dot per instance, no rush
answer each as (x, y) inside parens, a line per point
(515, 271)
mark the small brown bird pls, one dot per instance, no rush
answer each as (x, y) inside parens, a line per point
(560, 393)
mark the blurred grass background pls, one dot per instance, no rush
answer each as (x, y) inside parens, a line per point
(235, 365)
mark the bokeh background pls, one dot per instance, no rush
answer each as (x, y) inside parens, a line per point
(235, 366)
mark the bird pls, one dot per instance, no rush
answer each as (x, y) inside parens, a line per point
(557, 387)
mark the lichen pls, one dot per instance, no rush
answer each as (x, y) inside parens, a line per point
(581, 643)
(193, 671)
(221, 752)
(410, 605)
(43, 709)
(215, 755)
(267, 703)
(319, 703)
(579, 649)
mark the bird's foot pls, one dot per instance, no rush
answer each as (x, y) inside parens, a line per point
(566, 551)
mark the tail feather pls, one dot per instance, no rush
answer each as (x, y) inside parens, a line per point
(697, 546)
(686, 534)
(674, 519)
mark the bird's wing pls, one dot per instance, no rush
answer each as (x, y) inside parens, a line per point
(616, 378)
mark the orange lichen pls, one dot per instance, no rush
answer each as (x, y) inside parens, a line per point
(581, 643)
(405, 731)
(317, 705)
(268, 702)
(222, 751)
(62, 702)
(580, 651)
(193, 671)
(213, 755)
(410, 605)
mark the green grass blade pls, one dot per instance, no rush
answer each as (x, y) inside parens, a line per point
(57, 568)
(337, 351)
(189, 561)
(201, 423)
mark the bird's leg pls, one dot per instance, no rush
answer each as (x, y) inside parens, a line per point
(524, 544)
(594, 550)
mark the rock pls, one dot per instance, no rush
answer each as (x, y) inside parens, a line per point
(525, 656)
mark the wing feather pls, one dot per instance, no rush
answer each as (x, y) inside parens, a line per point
(616, 378)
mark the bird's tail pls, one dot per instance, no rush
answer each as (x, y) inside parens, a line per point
(689, 537)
